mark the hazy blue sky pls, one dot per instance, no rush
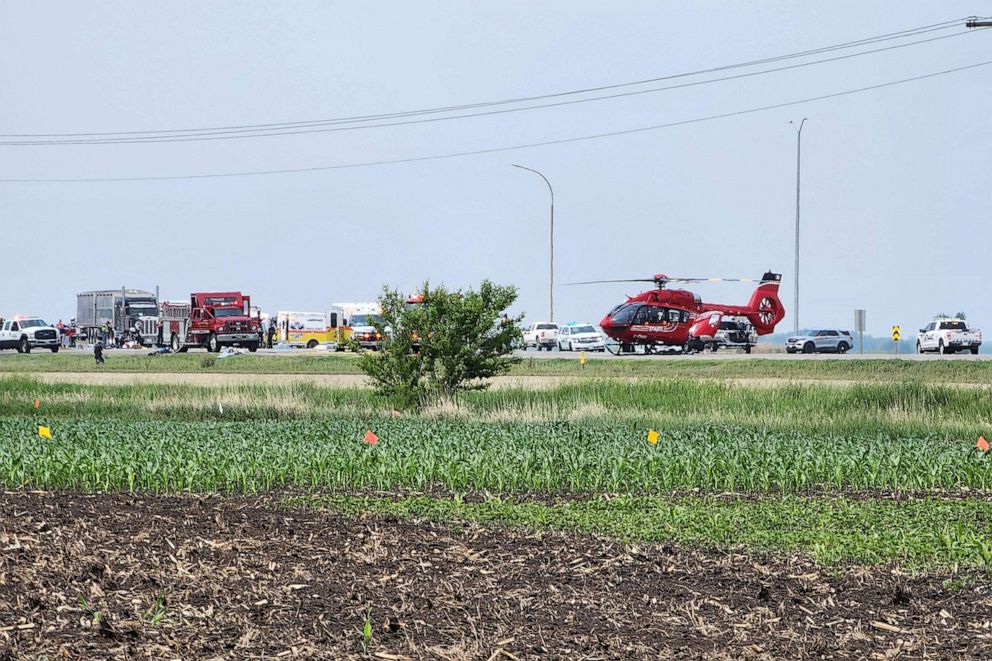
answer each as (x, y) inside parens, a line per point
(896, 181)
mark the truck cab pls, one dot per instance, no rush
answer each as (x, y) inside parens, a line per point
(26, 333)
(219, 319)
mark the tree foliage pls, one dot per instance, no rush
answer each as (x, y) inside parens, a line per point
(448, 342)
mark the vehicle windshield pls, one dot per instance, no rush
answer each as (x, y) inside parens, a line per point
(729, 325)
(31, 323)
(366, 320)
(582, 329)
(547, 327)
(953, 325)
(625, 314)
(229, 312)
(143, 311)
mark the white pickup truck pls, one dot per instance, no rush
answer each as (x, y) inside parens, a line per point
(948, 336)
(541, 335)
(26, 333)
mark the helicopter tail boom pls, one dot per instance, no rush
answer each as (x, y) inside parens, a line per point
(764, 310)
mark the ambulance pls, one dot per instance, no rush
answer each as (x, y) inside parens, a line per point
(359, 323)
(312, 329)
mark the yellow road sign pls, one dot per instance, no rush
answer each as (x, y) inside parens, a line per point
(896, 333)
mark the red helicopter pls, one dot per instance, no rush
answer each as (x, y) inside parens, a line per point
(662, 317)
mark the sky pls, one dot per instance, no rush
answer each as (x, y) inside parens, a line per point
(895, 181)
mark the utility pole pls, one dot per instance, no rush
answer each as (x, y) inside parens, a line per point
(551, 272)
(975, 23)
(799, 145)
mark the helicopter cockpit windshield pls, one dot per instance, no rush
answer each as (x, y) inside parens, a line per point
(625, 314)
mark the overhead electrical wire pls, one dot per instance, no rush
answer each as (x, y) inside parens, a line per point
(235, 134)
(267, 129)
(493, 150)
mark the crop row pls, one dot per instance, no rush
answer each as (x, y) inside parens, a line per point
(458, 455)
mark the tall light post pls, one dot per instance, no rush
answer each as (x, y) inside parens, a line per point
(551, 271)
(799, 147)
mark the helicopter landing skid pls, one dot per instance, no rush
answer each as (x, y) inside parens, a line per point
(625, 349)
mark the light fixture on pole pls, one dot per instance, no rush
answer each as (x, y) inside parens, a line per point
(799, 145)
(551, 270)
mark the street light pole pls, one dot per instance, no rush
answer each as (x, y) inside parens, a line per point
(551, 272)
(799, 146)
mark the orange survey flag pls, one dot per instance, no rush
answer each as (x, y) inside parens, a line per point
(371, 438)
(982, 444)
(37, 403)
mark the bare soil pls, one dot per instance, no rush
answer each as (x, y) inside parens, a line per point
(250, 578)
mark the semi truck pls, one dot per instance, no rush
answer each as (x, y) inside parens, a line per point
(124, 309)
(210, 320)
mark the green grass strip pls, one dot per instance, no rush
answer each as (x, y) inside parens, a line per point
(917, 534)
(930, 371)
(896, 409)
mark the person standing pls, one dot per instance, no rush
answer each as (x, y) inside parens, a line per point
(272, 332)
(98, 352)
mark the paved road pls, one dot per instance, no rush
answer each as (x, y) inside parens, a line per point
(736, 355)
(570, 355)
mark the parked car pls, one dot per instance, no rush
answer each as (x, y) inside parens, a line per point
(733, 334)
(826, 340)
(26, 333)
(541, 335)
(948, 336)
(580, 337)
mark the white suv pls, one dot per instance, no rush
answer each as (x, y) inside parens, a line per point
(580, 337)
(26, 333)
(820, 341)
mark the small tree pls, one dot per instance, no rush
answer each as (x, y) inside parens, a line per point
(447, 342)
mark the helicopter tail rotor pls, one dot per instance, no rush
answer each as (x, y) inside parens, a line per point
(766, 308)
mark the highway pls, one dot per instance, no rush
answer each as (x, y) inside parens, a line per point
(592, 355)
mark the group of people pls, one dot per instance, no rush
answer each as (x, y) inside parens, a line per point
(67, 333)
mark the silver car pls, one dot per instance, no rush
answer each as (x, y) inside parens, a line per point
(820, 341)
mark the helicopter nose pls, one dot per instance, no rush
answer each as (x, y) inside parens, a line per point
(606, 322)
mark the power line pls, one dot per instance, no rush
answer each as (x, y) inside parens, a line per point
(438, 110)
(493, 150)
(257, 133)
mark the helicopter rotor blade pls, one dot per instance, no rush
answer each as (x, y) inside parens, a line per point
(713, 280)
(600, 282)
(666, 279)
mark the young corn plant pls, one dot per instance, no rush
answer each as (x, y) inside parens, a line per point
(366, 632)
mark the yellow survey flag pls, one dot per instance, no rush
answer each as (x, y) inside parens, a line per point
(45, 432)
(652, 437)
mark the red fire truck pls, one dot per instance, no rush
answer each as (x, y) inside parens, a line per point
(210, 321)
